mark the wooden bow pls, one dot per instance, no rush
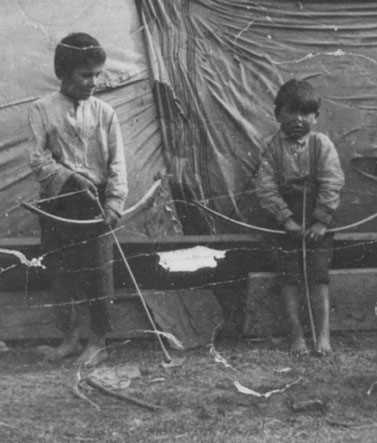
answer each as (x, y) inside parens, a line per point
(126, 213)
(278, 231)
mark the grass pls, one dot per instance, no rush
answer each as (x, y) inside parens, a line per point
(198, 399)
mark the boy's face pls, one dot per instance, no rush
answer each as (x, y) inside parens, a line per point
(82, 81)
(294, 123)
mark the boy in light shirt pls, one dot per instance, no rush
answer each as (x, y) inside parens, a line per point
(77, 146)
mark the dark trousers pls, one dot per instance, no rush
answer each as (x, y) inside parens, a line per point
(289, 251)
(79, 263)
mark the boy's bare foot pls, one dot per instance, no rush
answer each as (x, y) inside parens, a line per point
(64, 350)
(323, 346)
(298, 347)
(93, 355)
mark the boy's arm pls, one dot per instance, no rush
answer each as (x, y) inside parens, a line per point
(267, 190)
(116, 186)
(50, 174)
(330, 179)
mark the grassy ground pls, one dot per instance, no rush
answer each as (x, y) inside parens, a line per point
(198, 399)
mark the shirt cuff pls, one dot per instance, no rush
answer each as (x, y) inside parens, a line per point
(116, 204)
(284, 215)
(322, 216)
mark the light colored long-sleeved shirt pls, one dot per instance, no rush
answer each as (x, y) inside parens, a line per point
(78, 137)
(284, 162)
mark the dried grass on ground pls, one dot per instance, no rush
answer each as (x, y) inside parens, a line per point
(199, 402)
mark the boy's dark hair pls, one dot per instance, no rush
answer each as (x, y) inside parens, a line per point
(297, 96)
(76, 50)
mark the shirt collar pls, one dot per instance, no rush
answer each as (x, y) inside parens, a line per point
(75, 103)
(301, 142)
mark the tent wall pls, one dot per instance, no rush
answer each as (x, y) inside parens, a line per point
(29, 33)
(217, 65)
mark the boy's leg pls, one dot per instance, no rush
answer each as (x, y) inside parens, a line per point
(95, 351)
(321, 305)
(62, 289)
(97, 286)
(66, 317)
(63, 265)
(290, 294)
(289, 258)
(320, 257)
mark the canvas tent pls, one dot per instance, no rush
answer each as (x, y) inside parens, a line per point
(193, 83)
(217, 66)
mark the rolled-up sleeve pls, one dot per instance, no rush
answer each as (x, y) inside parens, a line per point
(267, 189)
(50, 174)
(330, 180)
(117, 185)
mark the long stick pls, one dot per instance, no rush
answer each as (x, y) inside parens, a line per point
(305, 269)
(135, 283)
(57, 197)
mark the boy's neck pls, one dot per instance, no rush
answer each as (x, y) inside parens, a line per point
(76, 102)
(300, 141)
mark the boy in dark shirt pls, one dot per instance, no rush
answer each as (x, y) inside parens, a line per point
(296, 161)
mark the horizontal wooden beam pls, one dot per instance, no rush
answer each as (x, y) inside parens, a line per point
(353, 298)
(31, 316)
(187, 239)
(241, 258)
(190, 315)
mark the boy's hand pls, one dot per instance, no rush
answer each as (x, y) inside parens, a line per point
(84, 184)
(111, 218)
(316, 231)
(293, 228)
